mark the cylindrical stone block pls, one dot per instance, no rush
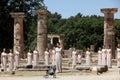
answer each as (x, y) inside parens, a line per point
(109, 36)
(41, 32)
(18, 32)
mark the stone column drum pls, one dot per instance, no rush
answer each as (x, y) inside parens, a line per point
(18, 32)
(41, 32)
(109, 35)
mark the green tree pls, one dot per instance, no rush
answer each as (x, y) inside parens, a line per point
(26, 6)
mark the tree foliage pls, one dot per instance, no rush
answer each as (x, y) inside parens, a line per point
(7, 23)
(80, 31)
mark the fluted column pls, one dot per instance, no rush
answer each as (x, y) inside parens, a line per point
(18, 31)
(41, 32)
(109, 35)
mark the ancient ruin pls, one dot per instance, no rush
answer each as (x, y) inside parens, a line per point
(41, 32)
(109, 35)
(59, 36)
(18, 31)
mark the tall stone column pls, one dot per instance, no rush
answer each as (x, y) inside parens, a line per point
(41, 32)
(18, 32)
(109, 35)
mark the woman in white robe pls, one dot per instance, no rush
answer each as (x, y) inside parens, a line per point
(4, 60)
(16, 58)
(109, 60)
(53, 56)
(35, 57)
(46, 56)
(29, 58)
(118, 56)
(74, 58)
(104, 61)
(79, 58)
(88, 57)
(11, 61)
(100, 56)
(58, 58)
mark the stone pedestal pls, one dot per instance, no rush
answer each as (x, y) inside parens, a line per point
(109, 35)
(18, 31)
(41, 32)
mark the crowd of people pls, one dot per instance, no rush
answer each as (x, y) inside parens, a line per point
(55, 56)
(13, 58)
(104, 56)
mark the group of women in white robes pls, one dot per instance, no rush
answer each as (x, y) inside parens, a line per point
(76, 58)
(12, 59)
(55, 57)
(104, 56)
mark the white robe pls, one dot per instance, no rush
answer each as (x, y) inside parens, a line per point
(35, 58)
(29, 58)
(104, 62)
(4, 61)
(88, 58)
(74, 59)
(46, 57)
(118, 57)
(99, 57)
(11, 61)
(53, 57)
(109, 64)
(79, 58)
(58, 59)
(16, 58)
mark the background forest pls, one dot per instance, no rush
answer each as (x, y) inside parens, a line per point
(80, 31)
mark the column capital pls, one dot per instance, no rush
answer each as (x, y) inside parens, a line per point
(109, 10)
(41, 12)
(17, 14)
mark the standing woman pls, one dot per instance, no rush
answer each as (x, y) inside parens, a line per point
(11, 61)
(53, 56)
(74, 58)
(29, 58)
(16, 57)
(118, 56)
(35, 57)
(79, 57)
(58, 58)
(109, 60)
(4, 60)
(100, 56)
(104, 62)
(88, 57)
(46, 56)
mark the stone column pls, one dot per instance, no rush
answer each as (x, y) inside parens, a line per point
(51, 40)
(41, 32)
(109, 35)
(61, 40)
(18, 31)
